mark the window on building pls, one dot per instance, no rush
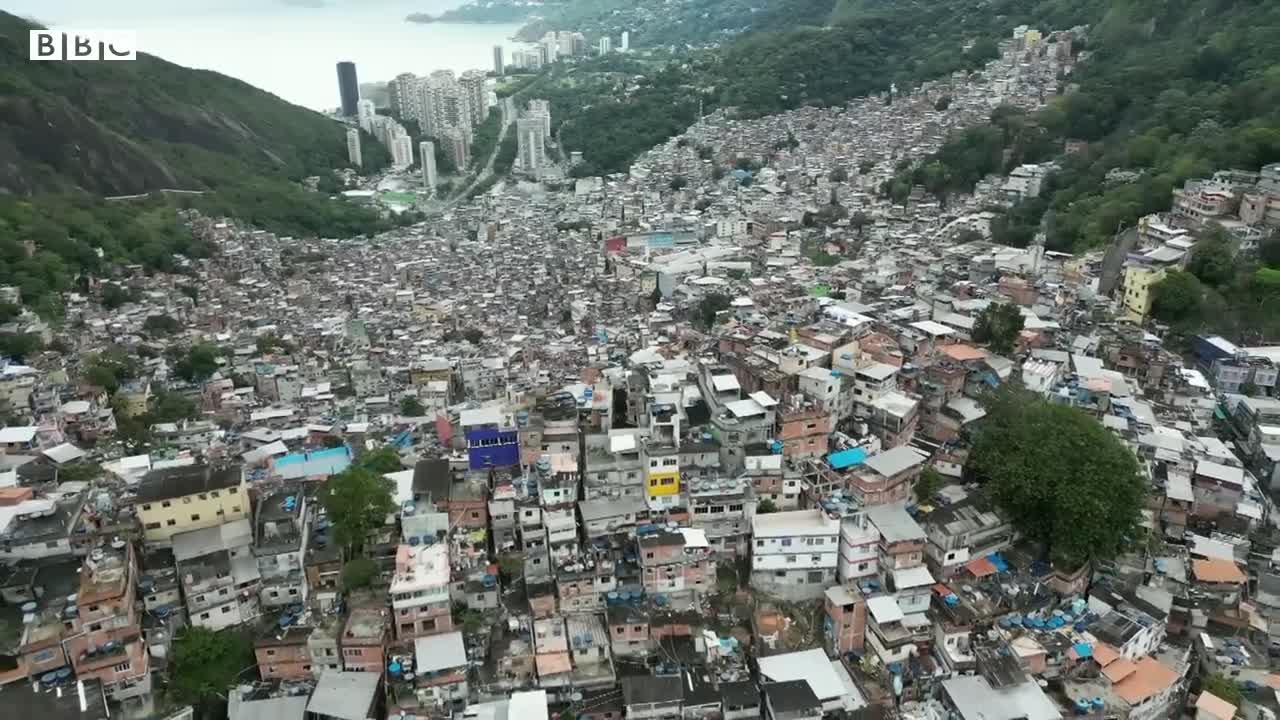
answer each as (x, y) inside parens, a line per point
(170, 522)
(195, 517)
(235, 508)
(226, 609)
(213, 494)
(791, 558)
(204, 616)
(233, 491)
(786, 542)
(153, 526)
(816, 558)
(122, 667)
(146, 506)
(164, 503)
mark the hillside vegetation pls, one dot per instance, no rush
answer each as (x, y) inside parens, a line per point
(73, 133)
(1171, 89)
(868, 45)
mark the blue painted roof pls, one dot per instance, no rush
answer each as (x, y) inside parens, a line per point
(847, 458)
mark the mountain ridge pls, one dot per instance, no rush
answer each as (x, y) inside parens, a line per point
(114, 128)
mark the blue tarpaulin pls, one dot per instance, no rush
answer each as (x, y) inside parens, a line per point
(1084, 650)
(847, 458)
(998, 560)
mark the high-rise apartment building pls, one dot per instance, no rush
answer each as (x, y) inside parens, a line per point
(541, 109)
(476, 94)
(365, 113)
(605, 46)
(531, 143)
(427, 152)
(445, 105)
(406, 100)
(458, 145)
(353, 147)
(626, 41)
(401, 151)
(498, 66)
(348, 88)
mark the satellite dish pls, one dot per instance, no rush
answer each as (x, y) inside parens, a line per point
(576, 697)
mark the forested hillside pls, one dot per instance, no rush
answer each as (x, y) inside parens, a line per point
(72, 133)
(868, 45)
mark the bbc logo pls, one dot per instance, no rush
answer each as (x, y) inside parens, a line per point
(84, 45)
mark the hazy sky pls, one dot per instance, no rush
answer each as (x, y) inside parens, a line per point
(288, 47)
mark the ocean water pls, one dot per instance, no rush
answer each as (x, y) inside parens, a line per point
(288, 47)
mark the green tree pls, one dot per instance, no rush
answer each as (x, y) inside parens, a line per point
(1213, 259)
(866, 166)
(160, 325)
(1065, 481)
(385, 459)
(838, 175)
(358, 573)
(1248, 388)
(207, 663)
(927, 485)
(708, 307)
(1177, 298)
(998, 326)
(766, 506)
(678, 182)
(357, 501)
(412, 407)
(168, 407)
(943, 103)
(113, 296)
(199, 363)
(9, 312)
(475, 336)
(1269, 250)
(19, 345)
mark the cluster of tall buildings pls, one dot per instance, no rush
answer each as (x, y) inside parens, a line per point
(444, 106)
(557, 45)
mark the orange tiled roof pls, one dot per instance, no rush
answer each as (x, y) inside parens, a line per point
(1105, 654)
(1119, 670)
(1217, 571)
(1150, 676)
(963, 353)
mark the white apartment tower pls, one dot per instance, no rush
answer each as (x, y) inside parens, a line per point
(541, 109)
(606, 45)
(626, 41)
(531, 143)
(476, 94)
(401, 151)
(445, 104)
(498, 67)
(404, 96)
(458, 144)
(427, 151)
(353, 147)
(365, 113)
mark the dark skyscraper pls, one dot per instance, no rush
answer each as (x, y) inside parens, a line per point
(349, 87)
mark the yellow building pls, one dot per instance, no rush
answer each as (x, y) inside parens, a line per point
(133, 399)
(1139, 279)
(1032, 38)
(195, 497)
(662, 478)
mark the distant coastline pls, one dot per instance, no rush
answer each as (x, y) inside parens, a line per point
(476, 14)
